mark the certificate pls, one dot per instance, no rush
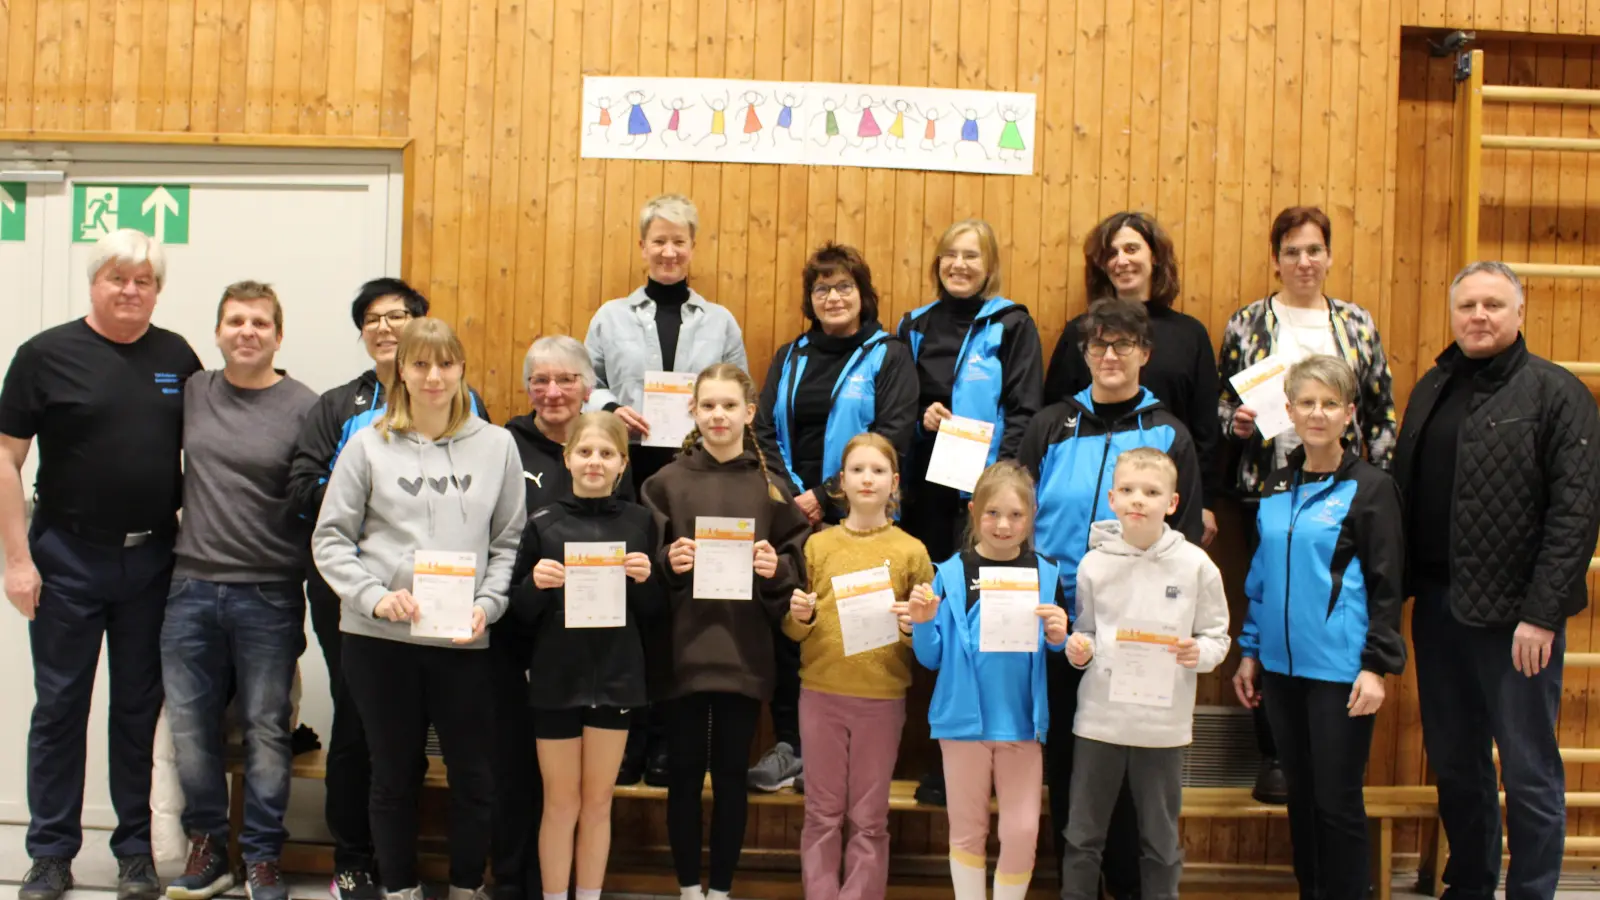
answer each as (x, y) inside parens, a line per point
(1260, 387)
(724, 558)
(667, 396)
(960, 452)
(864, 599)
(1144, 670)
(1007, 598)
(597, 588)
(443, 583)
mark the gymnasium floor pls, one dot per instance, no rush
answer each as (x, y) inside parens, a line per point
(96, 875)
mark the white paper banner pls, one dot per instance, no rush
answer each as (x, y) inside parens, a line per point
(808, 123)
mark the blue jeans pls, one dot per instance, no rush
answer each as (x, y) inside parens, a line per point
(220, 641)
(1470, 694)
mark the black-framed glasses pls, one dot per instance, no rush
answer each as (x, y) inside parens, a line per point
(395, 317)
(845, 290)
(1097, 348)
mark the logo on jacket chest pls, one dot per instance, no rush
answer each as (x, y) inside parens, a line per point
(1331, 511)
(537, 480)
(413, 486)
(1173, 592)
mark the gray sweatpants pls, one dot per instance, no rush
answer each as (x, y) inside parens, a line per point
(1155, 778)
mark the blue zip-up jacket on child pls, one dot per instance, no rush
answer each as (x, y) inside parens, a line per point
(1071, 453)
(999, 375)
(982, 696)
(1325, 584)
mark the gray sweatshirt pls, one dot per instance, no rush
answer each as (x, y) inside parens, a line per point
(389, 497)
(1173, 583)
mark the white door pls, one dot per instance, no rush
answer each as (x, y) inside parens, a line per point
(313, 224)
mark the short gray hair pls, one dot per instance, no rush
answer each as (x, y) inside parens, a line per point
(1492, 266)
(559, 350)
(131, 248)
(675, 208)
(1332, 371)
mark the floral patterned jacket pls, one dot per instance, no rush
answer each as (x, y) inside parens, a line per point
(1250, 338)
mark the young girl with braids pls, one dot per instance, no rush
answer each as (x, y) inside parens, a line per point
(721, 650)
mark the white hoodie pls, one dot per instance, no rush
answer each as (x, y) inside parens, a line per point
(1173, 583)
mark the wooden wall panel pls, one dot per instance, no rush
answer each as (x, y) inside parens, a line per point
(1213, 114)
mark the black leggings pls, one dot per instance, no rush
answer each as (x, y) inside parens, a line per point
(399, 688)
(709, 730)
(518, 788)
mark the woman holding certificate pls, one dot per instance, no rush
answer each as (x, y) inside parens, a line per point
(583, 575)
(1323, 625)
(417, 536)
(1265, 338)
(733, 557)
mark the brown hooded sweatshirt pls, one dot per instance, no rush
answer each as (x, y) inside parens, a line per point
(723, 645)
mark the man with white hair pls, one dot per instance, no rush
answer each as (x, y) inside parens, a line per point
(1497, 463)
(104, 397)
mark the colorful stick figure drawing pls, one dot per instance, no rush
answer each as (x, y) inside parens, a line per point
(752, 122)
(830, 127)
(719, 120)
(1011, 135)
(867, 129)
(675, 121)
(786, 118)
(638, 122)
(930, 128)
(897, 128)
(603, 121)
(969, 131)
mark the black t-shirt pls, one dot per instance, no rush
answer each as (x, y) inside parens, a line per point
(109, 421)
(1434, 481)
(944, 330)
(813, 398)
(972, 561)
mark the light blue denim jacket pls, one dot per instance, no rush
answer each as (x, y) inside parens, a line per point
(623, 345)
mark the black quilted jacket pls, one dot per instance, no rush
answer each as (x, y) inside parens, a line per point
(1527, 493)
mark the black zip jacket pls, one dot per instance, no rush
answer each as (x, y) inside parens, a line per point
(1526, 507)
(582, 667)
(544, 470)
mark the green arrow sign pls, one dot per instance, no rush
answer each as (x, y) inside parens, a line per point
(13, 211)
(159, 210)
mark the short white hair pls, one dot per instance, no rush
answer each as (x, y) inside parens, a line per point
(129, 247)
(1492, 267)
(558, 350)
(674, 208)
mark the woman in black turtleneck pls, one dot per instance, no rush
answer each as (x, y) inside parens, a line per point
(663, 326)
(844, 376)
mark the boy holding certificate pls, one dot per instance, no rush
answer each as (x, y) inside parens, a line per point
(1152, 613)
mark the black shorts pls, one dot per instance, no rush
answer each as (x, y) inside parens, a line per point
(568, 724)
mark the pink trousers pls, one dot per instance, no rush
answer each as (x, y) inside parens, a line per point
(851, 744)
(1016, 770)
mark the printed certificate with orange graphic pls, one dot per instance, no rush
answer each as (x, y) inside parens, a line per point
(724, 558)
(443, 583)
(667, 396)
(864, 599)
(1007, 598)
(960, 452)
(1144, 670)
(597, 588)
(1261, 388)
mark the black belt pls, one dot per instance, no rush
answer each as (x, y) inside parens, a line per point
(105, 536)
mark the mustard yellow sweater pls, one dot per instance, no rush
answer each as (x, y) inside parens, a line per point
(880, 674)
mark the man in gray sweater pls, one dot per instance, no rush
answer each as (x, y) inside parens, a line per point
(236, 609)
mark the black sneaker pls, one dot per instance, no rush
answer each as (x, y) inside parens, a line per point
(50, 877)
(1272, 786)
(263, 881)
(930, 791)
(137, 879)
(207, 873)
(355, 884)
(655, 770)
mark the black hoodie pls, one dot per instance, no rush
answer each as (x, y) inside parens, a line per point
(572, 667)
(544, 471)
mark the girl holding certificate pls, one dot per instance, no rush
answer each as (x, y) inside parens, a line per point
(734, 556)
(855, 666)
(417, 536)
(1323, 625)
(583, 583)
(990, 710)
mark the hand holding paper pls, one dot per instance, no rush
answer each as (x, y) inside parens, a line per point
(549, 575)
(666, 417)
(396, 607)
(681, 555)
(1055, 622)
(1260, 387)
(1187, 651)
(766, 559)
(479, 622)
(637, 566)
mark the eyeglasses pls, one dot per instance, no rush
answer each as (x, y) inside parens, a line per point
(1314, 253)
(1098, 349)
(395, 318)
(143, 284)
(845, 291)
(565, 382)
(1310, 405)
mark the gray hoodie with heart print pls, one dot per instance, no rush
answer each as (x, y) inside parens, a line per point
(390, 497)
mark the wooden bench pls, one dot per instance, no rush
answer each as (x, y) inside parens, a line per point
(1385, 805)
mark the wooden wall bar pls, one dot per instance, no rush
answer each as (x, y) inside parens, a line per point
(1213, 114)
